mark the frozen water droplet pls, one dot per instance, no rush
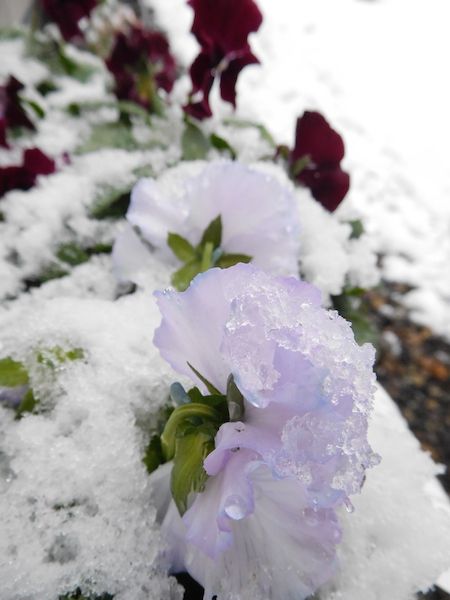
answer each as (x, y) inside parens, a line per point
(235, 507)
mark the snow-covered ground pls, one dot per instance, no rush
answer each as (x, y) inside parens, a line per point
(68, 518)
(376, 69)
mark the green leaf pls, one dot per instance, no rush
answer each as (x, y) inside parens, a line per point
(188, 474)
(46, 87)
(37, 109)
(27, 405)
(12, 373)
(109, 135)
(221, 144)
(72, 254)
(213, 233)
(179, 417)
(180, 247)
(194, 144)
(153, 455)
(357, 229)
(206, 261)
(228, 260)
(209, 386)
(56, 356)
(111, 203)
(183, 277)
(235, 400)
(134, 110)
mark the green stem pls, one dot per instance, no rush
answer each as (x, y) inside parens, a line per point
(193, 409)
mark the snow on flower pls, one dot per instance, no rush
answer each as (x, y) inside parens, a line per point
(316, 157)
(297, 452)
(222, 28)
(258, 219)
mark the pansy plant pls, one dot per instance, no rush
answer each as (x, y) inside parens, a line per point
(273, 438)
(199, 216)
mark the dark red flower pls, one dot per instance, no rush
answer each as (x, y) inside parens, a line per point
(221, 28)
(11, 111)
(67, 14)
(140, 63)
(315, 160)
(23, 177)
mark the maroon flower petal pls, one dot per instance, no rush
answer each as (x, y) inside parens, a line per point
(38, 163)
(328, 186)
(23, 177)
(140, 60)
(315, 137)
(67, 14)
(222, 28)
(224, 23)
(11, 112)
(228, 78)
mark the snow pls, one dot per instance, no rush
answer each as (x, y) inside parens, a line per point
(75, 499)
(361, 64)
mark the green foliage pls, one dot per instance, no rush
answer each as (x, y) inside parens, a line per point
(56, 356)
(111, 203)
(46, 86)
(114, 134)
(181, 247)
(350, 305)
(52, 53)
(12, 373)
(194, 144)
(219, 143)
(357, 229)
(205, 255)
(72, 254)
(188, 475)
(153, 456)
(35, 107)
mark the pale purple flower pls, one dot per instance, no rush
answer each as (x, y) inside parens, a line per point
(259, 217)
(268, 512)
